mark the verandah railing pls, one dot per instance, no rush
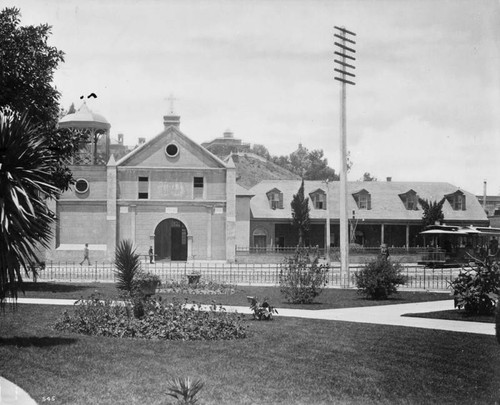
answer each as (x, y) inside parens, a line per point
(362, 253)
(419, 277)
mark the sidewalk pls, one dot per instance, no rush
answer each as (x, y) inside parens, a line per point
(11, 394)
(379, 315)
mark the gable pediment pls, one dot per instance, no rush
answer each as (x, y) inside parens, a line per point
(169, 149)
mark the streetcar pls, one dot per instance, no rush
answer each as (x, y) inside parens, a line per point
(453, 245)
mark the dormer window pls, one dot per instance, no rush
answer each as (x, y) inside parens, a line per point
(410, 200)
(456, 200)
(363, 200)
(318, 199)
(275, 198)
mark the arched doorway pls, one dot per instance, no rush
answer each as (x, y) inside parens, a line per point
(171, 240)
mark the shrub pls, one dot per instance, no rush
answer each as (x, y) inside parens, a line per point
(476, 290)
(172, 321)
(202, 287)
(379, 278)
(302, 277)
(262, 311)
(497, 323)
(127, 264)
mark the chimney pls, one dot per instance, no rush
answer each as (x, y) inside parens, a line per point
(484, 195)
(171, 120)
(389, 179)
(120, 139)
(228, 134)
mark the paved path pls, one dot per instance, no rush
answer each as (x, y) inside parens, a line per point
(11, 394)
(379, 314)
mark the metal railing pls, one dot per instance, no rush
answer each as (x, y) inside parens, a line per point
(419, 277)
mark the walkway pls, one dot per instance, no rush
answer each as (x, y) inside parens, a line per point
(379, 314)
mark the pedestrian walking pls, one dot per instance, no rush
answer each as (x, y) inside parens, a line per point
(85, 254)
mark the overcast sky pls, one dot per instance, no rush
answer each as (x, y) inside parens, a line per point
(426, 106)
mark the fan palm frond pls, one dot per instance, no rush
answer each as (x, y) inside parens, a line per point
(25, 186)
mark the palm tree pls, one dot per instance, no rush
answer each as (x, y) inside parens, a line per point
(128, 265)
(432, 211)
(25, 185)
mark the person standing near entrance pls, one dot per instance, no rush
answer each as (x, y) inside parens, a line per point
(85, 254)
(151, 254)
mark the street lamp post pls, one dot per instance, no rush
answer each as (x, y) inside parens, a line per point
(345, 77)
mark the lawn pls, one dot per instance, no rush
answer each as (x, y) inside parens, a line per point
(329, 298)
(286, 361)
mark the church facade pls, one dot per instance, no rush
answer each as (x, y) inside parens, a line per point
(169, 194)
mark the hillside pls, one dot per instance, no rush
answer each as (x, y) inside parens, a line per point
(251, 169)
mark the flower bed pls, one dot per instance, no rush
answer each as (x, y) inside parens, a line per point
(169, 321)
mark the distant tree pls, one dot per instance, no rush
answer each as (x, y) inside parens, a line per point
(261, 150)
(299, 160)
(27, 65)
(25, 184)
(368, 177)
(72, 109)
(300, 213)
(432, 211)
(318, 168)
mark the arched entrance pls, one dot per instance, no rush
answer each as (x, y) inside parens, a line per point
(171, 240)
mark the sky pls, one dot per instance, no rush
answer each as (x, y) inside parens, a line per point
(425, 107)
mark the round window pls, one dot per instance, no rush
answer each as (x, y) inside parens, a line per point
(172, 150)
(81, 186)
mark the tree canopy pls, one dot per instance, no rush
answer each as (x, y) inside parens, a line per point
(27, 66)
(310, 165)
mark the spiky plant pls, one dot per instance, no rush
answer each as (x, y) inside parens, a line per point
(25, 186)
(184, 390)
(127, 264)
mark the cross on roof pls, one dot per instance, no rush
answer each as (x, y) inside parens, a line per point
(171, 98)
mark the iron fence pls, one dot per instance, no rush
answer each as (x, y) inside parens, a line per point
(419, 277)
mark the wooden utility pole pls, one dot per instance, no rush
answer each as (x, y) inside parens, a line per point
(345, 77)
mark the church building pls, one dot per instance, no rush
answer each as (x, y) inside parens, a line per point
(169, 193)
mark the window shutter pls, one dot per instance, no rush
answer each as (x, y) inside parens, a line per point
(369, 202)
(280, 200)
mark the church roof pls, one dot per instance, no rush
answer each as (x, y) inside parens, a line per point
(84, 117)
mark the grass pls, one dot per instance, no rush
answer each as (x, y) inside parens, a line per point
(329, 298)
(287, 361)
(455, 315)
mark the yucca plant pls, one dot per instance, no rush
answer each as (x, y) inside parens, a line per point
(25, 185)
(127, 264)
(184, 390)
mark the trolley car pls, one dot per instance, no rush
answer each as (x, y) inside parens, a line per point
(457, 245)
